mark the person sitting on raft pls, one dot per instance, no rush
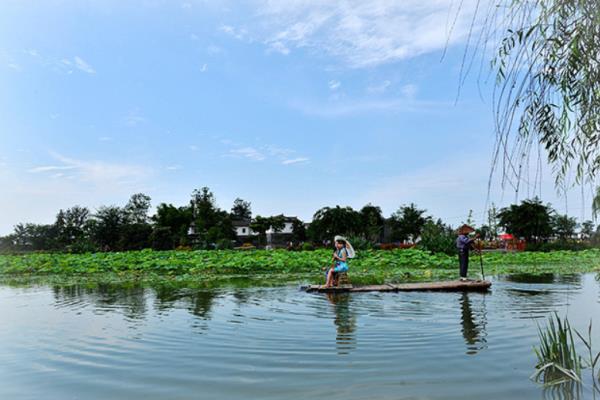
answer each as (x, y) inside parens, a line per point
(343, 251)
(464, 243)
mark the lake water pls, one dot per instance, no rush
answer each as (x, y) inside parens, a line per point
(131, 342)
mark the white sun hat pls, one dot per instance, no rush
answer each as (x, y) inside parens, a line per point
(349, 248)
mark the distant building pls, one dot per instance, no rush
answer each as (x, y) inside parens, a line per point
(244, 234)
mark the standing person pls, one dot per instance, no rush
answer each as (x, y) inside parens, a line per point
(343, 251)
(464, 244)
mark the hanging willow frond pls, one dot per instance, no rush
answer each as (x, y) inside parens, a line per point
(547, 68)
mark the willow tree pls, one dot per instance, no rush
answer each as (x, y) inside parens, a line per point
(547, 98)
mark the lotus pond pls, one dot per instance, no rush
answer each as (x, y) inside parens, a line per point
(213, 268)
(234, 325)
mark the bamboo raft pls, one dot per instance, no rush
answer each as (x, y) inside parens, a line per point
(446, 286)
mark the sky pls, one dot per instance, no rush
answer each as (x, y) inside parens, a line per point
(292, 105)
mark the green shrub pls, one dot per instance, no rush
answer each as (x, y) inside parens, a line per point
(307, 247)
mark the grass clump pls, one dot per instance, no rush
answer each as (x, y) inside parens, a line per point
(558, 360)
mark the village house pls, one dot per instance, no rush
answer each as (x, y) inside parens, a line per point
(244, 234)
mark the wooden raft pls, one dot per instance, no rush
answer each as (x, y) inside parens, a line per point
(447, 286)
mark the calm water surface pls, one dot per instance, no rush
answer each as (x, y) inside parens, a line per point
(130, 342)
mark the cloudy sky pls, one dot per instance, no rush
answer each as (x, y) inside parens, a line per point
(292, 105)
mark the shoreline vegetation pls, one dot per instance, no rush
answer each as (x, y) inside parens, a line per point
(278, 267)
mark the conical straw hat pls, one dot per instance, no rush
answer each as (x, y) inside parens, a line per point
(465, 229)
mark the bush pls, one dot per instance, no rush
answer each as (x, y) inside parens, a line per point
(558, 245)
(438, 238)
(307, 247)
(224, 244)
(360, 243)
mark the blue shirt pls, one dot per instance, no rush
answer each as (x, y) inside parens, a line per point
(463, 242)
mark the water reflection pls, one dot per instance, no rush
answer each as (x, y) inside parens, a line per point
(345, 322)
(537, 296)
(564, 391)
(130, 299)
(473, 324)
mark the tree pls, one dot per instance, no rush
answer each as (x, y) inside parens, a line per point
(109, 223)
(564, 226)
(72, 226)
(171, 226)
(34, 237)
(438, 237)
(587, 230)
(260, 225)
(372, 222)
(549, 93)
(298, 230)
(136, 210)
(211, 223)
(493, 222)
(241, 210)
(328, 222)
(531, 220)
(408, 222)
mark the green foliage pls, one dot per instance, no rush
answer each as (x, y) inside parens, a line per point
(328, 222)
(307, 247)
(372, 223)
(298, 230)
(558, 245)
(136, 210)
(557, 356)
(210, 224)
(547, 68)
(175, 220)
(564, 226)
(437, 237)
(531, 220)
(241, 210)
(558, 360)
(408, 223)
(370, 266)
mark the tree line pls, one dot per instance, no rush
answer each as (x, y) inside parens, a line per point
(201, 224)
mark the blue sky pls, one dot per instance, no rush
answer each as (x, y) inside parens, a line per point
(291, 105)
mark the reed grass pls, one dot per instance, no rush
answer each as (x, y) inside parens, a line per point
(558, 361)
(559, 365)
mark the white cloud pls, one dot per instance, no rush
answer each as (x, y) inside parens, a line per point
(213, 49)
(134, 118)
(193, 36)
(95, 172)
(83, 66)
(409, 90)
(334, 85)
(238, 33)
(358, 33)
(204, 67)
(173, 167)
(278, 47)
(49, 168)
(193, 147)
(105, 139)
(379, 88)
(14, 66)
(298, 160)
(248, 152)
(352, 107)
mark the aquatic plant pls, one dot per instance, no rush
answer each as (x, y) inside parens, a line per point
(370, 266)
(592, 361)
(558, 360)
(557, 356)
